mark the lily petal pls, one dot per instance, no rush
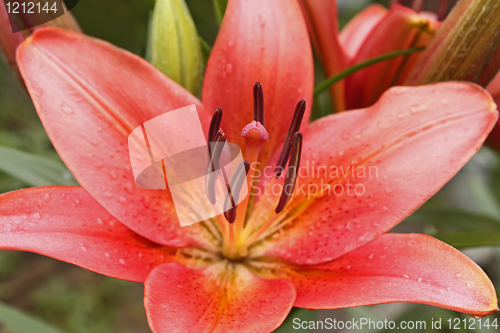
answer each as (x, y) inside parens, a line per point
(66, 223)
(90, 95)
(355, 32)
(218, 298)
(398, 30)
(395, 156)
(397, 268)
(263, 41)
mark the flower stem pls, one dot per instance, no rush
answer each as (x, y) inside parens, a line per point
(348, 71)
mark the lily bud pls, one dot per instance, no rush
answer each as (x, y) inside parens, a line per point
(465, 48)
(321, 17)
(175, 48)
(9, 40)
(401, 28)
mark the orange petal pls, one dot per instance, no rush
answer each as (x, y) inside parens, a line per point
(66, 223)
(90, 95)
(355, 32)
(397, 268)
(219, 298)
(381, 164)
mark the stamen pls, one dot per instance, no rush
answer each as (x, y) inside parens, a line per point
(214, 128)
(294, 127)
(213, 165)
(291, 172)
(234, 189)
(258, 103)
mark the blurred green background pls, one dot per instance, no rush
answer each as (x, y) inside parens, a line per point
(466, 213)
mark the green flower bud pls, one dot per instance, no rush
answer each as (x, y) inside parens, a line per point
(174, 45)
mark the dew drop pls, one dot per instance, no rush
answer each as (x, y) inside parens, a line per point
(46, 197)
(99, 221)
(229, 68)
(67, 109)
(113, 175)
(123, 262)
(122, 200)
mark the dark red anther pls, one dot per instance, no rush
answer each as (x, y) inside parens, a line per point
(234, 189)
(291, 172)
(258, 103)
(300, 109)
(213, 165)
(214, 128)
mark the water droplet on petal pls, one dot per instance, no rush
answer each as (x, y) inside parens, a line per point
(67, 109)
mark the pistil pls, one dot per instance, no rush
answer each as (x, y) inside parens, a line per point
(255, 135)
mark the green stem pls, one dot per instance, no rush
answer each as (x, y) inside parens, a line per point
(348, 71)
(204, 45)
(218, 11)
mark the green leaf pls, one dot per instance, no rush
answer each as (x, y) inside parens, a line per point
(219, 9)
(206, 48)
(348, 71)
(288, 324)
(447, 217)
(20, 322)
(34, 170)
(470, 239)
(175, 47)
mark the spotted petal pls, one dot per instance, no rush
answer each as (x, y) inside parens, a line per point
(90, 95)
(397, 268)
(219, 298)
(379, 165)
(66, 223)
